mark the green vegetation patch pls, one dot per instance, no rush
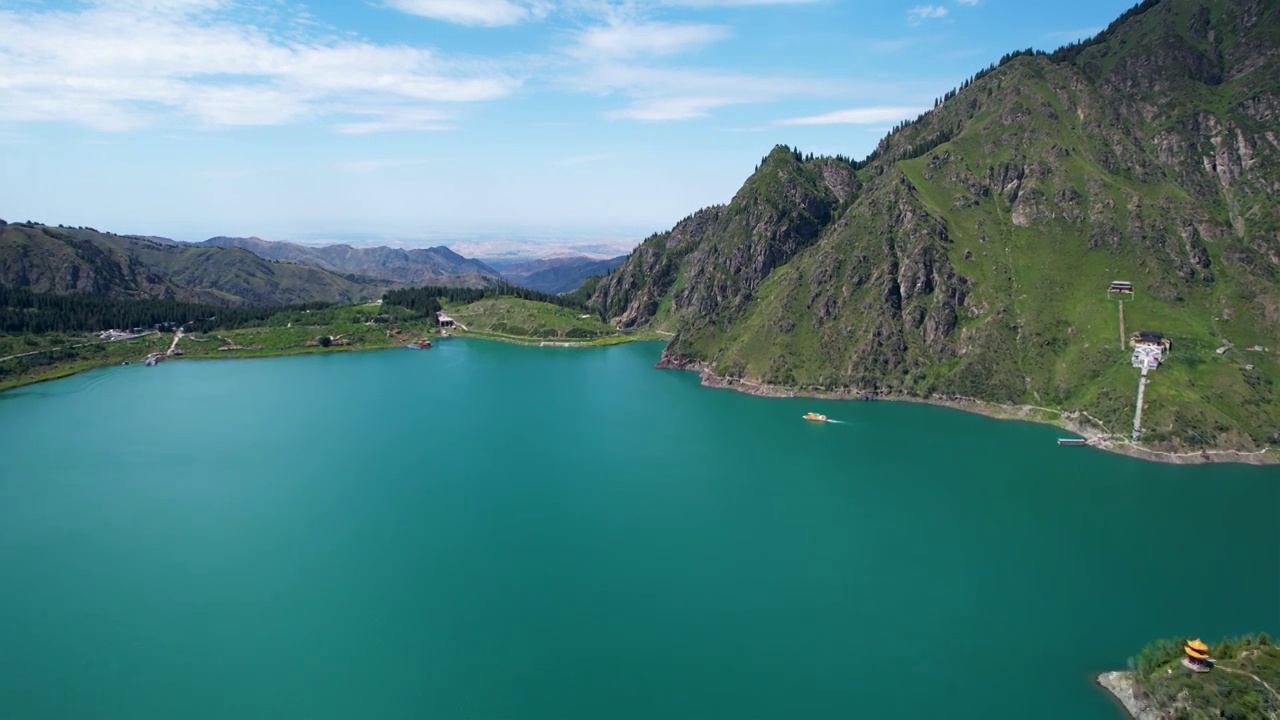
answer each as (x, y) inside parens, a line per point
(1235, 689)
(514, 317)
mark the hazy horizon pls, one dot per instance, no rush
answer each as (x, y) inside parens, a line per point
(491, 244)
(478, 245)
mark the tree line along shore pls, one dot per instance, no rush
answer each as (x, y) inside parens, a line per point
(47, 336)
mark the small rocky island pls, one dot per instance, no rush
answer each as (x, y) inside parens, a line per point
(1189, 680)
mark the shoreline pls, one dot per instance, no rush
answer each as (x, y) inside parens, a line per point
(540, 342)
(1071, 422)
(1125, 692)
(72, 370)
(1065, 420)
(66, 372)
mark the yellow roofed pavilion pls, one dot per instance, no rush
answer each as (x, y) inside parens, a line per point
(1197, 649)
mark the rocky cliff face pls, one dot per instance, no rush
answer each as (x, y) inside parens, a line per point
(721, 255)
(971, 254)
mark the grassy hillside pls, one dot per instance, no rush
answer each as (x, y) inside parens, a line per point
(26, 359)
(63, 260)
(528, 320)
(970, 255)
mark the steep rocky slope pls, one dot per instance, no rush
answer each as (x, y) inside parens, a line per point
(970, 254)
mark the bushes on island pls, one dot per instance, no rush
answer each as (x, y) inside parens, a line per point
(426, 300)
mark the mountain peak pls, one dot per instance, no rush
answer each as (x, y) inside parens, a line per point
(970, 254)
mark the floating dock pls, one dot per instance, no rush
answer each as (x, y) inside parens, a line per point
(1072, 442)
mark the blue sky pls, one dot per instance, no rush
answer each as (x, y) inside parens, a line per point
(432, 118)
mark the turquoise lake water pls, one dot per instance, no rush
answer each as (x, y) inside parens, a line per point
(491, 531)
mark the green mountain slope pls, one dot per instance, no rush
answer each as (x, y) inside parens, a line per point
(66, 260)
(971, 254)
(418, 266)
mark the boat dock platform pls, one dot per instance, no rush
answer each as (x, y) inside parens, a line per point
(1072, 442)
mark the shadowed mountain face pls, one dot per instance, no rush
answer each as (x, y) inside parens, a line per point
(970, 255)
(560, 274)
(420, 266)
(67, 260)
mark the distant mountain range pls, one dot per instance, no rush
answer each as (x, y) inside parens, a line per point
(428, 266)
(82, 260)
(418, 266)
(560, 274)
(252, 271)
(499, 253)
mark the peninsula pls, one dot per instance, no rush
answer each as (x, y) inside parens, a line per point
(1188, 680)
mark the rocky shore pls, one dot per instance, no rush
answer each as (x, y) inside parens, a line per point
(1079, 423)
(1134, 699)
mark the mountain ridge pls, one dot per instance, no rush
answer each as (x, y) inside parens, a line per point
(557, 275)
(63, 260)
(970, 253)
(417, 266)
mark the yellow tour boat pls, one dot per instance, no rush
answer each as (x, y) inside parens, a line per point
(815, 417)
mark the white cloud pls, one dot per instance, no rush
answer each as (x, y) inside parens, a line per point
(488, 13)
(653, 94)
(855, 116)
(124, 64)
(375, 164)
(618, 57)
(672, 108)
(926, 12)
(648, 38)
(968, 3)
(659, 94)
(395, 119)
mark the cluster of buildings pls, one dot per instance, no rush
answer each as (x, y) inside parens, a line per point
(117, 334)
(1149, 349)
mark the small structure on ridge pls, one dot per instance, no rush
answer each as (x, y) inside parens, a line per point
(1196, 656)
(1150, 338)
(1121, 286)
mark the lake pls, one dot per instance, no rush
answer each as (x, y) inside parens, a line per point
(484, 530)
